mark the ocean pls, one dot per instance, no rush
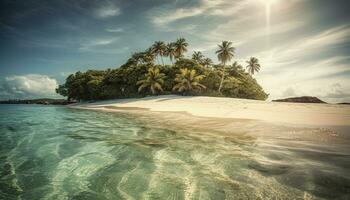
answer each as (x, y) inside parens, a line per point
(57, 152)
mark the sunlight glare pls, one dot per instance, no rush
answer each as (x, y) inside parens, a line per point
(268, 4)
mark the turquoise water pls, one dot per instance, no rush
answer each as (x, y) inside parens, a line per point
(53, 152)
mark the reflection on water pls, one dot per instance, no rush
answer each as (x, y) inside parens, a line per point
(62, 153)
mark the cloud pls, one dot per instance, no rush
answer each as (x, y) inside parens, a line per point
(308, 66)
(115, 30)
(239, 37)
(289, 92)
(337, 91)
(96, 43)
(307, 46)
(165, 16)
(189, 29)
(306, 79)
(107, 11)
(28, 86)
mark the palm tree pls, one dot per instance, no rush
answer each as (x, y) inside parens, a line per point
(170, 51)
(197, 56)
(236, 69)
(141, 58)
(150, 54)
(158, 49)
(225, 54)
(187, 80)
(207, 62)
(180, 47)
(153, 80)
(236, 65)
(253, 65)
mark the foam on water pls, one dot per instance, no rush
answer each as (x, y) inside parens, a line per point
(60, 153)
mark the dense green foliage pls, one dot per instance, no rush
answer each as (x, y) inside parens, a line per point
(141, 75)
(188, 81)
(153, 81)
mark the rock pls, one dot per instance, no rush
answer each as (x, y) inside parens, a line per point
(304, 99)
(344, 103)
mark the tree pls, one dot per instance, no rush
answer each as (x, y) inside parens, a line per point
(253, 65)
(144, 57)
(149, 54)
(62, 90)
(189, 64)
(185, 75)
(187, 80)
(170, 51)
(153, 80)
(207, 62)
(180, 47)
(198, 57)
(236, 66)
(235, 70)
(225, 54)
(159, 49)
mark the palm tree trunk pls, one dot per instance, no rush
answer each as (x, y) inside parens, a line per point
(222, 77)
(152, 90)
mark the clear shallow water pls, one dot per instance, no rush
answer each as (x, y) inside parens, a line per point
(49, 152)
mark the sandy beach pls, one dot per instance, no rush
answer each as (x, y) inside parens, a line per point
(220, 107)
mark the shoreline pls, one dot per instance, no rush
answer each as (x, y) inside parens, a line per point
(298, 114)
(228, 127)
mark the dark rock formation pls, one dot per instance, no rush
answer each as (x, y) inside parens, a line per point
(304, 99)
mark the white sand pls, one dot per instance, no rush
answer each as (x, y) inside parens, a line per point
(276, 112)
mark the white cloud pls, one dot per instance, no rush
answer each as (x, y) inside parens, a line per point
(95, 43)
(307, 46)
(189, 29)
(115, 30)
(240, 8)
(298, 66)
(232, 31)
(305, 79)
(336, 90)
(165, 16)
(28, 86)
(289, 92)
(107, 11)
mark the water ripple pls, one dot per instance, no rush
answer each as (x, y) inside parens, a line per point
(60, 153)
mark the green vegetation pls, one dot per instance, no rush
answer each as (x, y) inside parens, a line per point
(253, 65)
(146, 73)
(153, 80)
(225, 54)
(188, 81)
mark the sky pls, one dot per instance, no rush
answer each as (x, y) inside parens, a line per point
(302, 45)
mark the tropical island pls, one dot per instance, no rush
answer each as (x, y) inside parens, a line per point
(146, 73)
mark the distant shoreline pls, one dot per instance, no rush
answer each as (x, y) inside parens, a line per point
(231, 108)
(43, 101)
